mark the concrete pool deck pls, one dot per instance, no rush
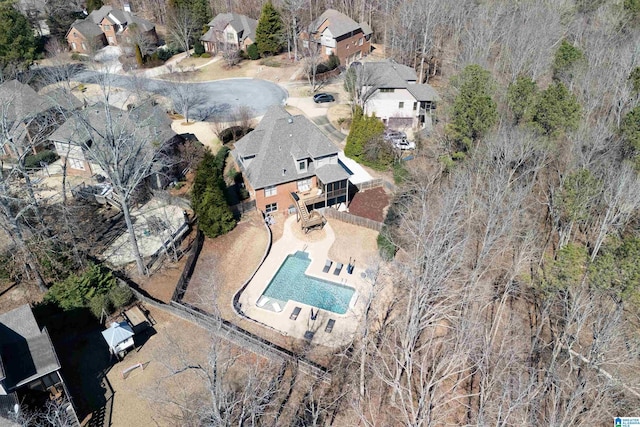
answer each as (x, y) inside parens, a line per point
(268, 314)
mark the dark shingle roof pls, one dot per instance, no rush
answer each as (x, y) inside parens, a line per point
(146, 121)
(331, 173)
(87, 28)
(242, 24)
(91, 23)
(277, 143)
(19, 101)
(63, 98)
(27, 352)
(389, 74)
(339, 23)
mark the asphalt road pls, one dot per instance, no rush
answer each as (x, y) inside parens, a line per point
(212, 101)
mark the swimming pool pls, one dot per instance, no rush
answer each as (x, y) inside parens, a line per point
(290, 283)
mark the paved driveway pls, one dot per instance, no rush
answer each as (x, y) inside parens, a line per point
(212, 101)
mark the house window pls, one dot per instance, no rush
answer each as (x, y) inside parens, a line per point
(400, 104)
(360, 41)
(415, 106)
(106, 28)
(271, 207)
(73, 45)
(304, 184)
(270, 191)
(230, 37)
(110, 39)
(305, 44)
(84, 46)
(302, 165)
(328, 51)
(76, 164)
(387, 90)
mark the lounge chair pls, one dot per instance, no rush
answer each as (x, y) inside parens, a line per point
(338, 269)
(327, 266)
(294, 313)
(329, 326)
(276, 307)
(262, 301)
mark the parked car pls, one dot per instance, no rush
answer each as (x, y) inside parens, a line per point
(398, 139)
(323, 97)
(404, 144)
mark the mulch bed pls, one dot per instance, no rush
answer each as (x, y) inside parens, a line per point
(370, 204)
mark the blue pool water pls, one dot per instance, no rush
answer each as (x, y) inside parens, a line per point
(290, 283)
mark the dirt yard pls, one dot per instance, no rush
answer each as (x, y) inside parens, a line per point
(370, 204)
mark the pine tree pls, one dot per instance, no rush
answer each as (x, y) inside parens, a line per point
(93, 5)
(17, 42)
(269, 33)
(557, 109)
(474, 110)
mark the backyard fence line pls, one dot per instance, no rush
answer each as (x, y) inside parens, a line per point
(373, 183)
(183, 281)
(352, 219)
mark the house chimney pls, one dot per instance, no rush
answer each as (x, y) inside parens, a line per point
(284, 172)
(290, 120)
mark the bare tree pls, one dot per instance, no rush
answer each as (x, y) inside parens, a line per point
(182, 27)
(312, 60)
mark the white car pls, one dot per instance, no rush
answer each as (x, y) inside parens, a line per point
(404, 144)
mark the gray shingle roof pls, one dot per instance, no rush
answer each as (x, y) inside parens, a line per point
(242, 24)
(339, 24)
(19, 101)
(98, 15)
(63, 98)
(389, 74)
(331, 173)
(87, 28)
(26, 351)
(277, 143)
(142, 122)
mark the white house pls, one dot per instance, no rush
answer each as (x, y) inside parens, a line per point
(390, 90)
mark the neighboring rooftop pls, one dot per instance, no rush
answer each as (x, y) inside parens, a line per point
(90, 26)
(277, 143)
(144, 121)
(390, 74)
(243, 25)
(19, 101)
(27, 352)
(339, 24)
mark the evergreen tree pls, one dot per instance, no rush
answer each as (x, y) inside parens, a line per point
(269, 33)
(364, 143)
(17, 41)
(93, 5)
(474, 110)
(139, 58)
(634, 79)
(521, 96)
(200, 10)
(566, 59)
(557, 110)
(208, 200)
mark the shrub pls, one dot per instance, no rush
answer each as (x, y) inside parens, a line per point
(164, 54)
(400, 173)
(252, 52)
(120, 296)
(77, 291)
(385, 245)
(76, 56)
(46, 156)
(198, 48)
(333, 62)
(205, 55)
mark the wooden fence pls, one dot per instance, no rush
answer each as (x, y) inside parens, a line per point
(352, 219)
(370, 184)
(239, 209)
(183, 281)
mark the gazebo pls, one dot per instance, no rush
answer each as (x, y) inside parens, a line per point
(119, 338)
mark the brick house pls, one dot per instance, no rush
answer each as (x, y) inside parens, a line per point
(29, 365)
(82, 130)
(108, 26)
(288, 154)
(391, 92)
(229, 31)
(335, 33)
